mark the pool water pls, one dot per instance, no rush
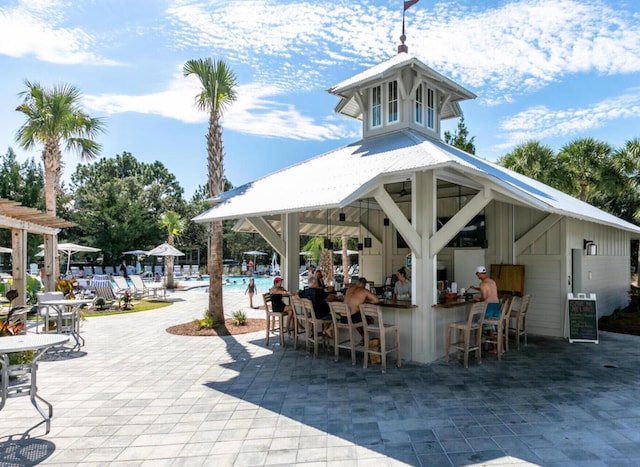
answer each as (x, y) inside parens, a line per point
(235, 284)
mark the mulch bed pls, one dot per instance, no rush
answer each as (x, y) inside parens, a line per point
(229, 328)
(627, 323)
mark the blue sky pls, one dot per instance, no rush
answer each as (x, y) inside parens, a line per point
(552, 70)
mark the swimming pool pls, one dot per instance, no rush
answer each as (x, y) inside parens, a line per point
(235, 284)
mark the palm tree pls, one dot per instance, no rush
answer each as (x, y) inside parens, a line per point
(55, 118)
(217, 92)
(534, 160)
(586, 163)
(174, 225)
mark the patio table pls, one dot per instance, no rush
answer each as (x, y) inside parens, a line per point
(67, 315)
(25, 387)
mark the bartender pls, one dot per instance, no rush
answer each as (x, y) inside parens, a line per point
(402, 289)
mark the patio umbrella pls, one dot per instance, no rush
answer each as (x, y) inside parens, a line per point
(4, 249)
(349, 252)
(254, 253)
(165, 250)
(136, 252)
(71, 248)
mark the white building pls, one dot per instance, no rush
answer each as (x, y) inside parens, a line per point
(434, 196)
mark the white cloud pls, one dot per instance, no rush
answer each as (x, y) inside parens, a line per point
(256, 111)
(34, 29)
(540, 122)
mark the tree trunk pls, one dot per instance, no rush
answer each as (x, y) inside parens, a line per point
(216, 310)
(169, 265)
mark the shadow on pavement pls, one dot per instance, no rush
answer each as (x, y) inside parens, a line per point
(548, 402)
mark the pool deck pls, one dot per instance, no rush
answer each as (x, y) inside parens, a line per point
(136, 395)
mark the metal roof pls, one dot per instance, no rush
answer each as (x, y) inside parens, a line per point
(340, 177)
(385, 70)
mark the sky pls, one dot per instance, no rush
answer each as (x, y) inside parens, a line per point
(548, 70)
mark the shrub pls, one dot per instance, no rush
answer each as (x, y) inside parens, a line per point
(240, 317)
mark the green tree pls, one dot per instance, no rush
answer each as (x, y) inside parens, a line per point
(627, 161)
(118, 204)
(23, 183)
(174, 224)
(218, 91)
(588, 170)
(534, 160)
(460, 139)
(54, 117)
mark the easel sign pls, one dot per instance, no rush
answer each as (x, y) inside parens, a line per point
(583, 318)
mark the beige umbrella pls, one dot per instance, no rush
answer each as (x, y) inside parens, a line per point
(71, 248)
(165, 250)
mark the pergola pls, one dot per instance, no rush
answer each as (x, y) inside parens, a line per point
(20, 220)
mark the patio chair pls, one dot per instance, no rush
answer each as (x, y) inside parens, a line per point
(500, 327)
(300, 319)
(339, 310)
(378, 328)
(272, 317)
(104, 290)
(43, 310)
(141, 290)
(122, 285)
(314, 327)
(469, 334)
(518, 319)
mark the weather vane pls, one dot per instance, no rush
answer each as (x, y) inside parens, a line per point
(407, 4)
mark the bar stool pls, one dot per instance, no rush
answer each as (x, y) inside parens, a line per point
(466, 329)
(341, 310)
(275, 320)
(518, 319)
(378, 328)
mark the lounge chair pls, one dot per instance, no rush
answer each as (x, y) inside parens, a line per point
(98, 271)
(147, 289)
(122, 285)
(138, 289)
(104, 289)
(109, 270)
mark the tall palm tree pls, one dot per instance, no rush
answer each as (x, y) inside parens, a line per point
(55, 118)
(587, 165)
(217, 93)
(175, 225)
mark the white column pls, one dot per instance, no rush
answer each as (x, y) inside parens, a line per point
(423, 216)
(291, 260)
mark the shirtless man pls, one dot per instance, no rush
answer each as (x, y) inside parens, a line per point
(489, 294)
(355, 296)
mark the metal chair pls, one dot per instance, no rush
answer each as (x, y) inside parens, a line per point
(469, 334)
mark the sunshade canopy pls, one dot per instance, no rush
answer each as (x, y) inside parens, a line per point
(165, 250)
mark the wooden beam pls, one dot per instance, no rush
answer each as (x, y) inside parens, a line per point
(399, 220)
(532, 235)
(269, 234)
(442, 237)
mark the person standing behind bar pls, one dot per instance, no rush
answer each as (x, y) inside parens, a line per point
(402, 288)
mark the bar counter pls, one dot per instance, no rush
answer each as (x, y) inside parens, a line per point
(391, 303)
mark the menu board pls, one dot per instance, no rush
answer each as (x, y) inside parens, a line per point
(583, 318)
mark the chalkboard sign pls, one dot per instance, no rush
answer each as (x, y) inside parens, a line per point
(583, 318)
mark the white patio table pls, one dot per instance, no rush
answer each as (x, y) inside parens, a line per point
(25, 386)
(67, 315)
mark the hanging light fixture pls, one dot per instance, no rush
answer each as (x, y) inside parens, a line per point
(360, 245)
(367, 240)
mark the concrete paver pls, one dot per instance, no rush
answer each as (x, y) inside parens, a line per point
(136, 395)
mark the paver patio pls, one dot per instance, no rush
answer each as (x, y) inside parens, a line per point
(136, 395)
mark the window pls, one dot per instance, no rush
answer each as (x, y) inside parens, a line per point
(430, 108)
(419, 106)
(376, 106)
(392, 89)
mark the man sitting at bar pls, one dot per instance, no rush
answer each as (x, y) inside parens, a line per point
(319, 298)
(355, 296)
